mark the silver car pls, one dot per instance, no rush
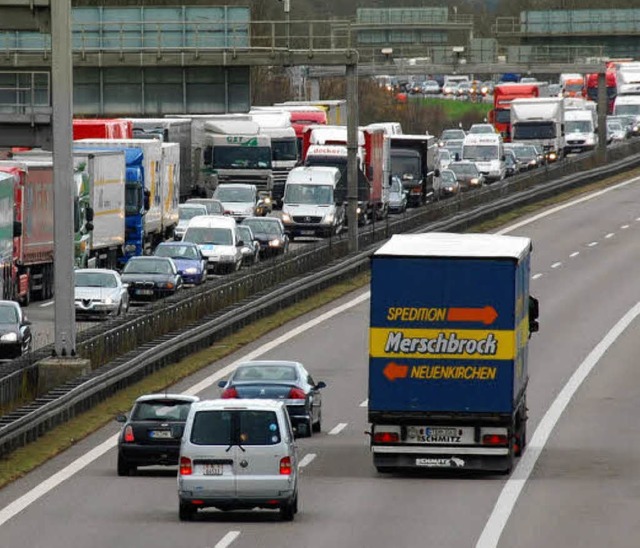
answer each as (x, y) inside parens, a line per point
(186, 212)
(100, 293)
(238, 455)
(251, 248)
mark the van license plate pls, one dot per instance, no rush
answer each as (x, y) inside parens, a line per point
(212, 469)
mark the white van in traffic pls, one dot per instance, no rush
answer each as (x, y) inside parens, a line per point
(487, 152)
(218, 239)
(313, 203)
(238, 454)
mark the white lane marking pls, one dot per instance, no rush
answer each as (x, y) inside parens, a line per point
(228, 539)
(44, 305)
(592, 244)
(556, 265)
(610, 235)
(574, 254)
(364, 403)
(514, 485)
(83, 461)
(624, 227)
(553, 210)
(338, 428)
(306, 460)
(536, 276)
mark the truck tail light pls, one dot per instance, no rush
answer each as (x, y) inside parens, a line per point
(185, 466)
(495, 439)
(297, 394)
(229, 393)
(386, 437)
(128, 434)
(416, 190)
(285, 466)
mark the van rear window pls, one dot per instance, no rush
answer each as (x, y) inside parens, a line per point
(235, 427)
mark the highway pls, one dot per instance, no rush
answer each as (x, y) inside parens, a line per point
(581, 491)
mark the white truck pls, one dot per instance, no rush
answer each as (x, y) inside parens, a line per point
(627, 105)
(170, 130)
(170, 170)
(235, 151)
(284, 146)
(153, 181)
(580, 128)
(539, 121)
(628, 78)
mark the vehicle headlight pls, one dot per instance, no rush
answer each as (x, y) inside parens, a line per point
(449, 188)
(248, 211)
(358, 210)
(533, 162)
(9, 337)
(274, 243)
(191, 270)
(474, 181)
(108, 300)
(329, 217)
(267, 200)
(635, 128)
(552, 155)
(129, 248)
(227, 258)
(484, 89)
(286, 218)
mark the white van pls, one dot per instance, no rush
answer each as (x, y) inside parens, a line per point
(487, 152)
(218, 239)
(238, 454)
(627, 105)
(313, 203)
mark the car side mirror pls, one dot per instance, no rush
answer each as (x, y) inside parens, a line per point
(121, 418)
(147, 200)
(88, 213)
(89, 226)
(534, 312)
(222, 384)
(240, 243)
(17, 229)
(437, 173)
(503, 158)
(26, 322)
(320, 385)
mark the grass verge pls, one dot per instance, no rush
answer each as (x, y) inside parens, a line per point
(25, 459)
(458, 109)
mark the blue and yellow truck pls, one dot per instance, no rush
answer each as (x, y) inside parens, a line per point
(451, 318)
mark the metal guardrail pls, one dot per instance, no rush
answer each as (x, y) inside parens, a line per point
(26, 424)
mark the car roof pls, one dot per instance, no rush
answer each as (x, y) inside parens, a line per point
(167, 244)
(13, 304)
(163, 396)
(97, 270)
(212, 221)
(234, 404)
(237, 185)
(260, 363)
(150, 258)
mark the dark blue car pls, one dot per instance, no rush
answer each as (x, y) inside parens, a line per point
(188, 258)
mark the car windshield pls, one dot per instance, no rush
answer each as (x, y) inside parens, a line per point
(578, 126)
(235, 194)
(214, 207)
(405, 167)
(448, 177)
(265, 373)
(262, 226)
(186, 212)
(481, 129)
(444, 154)
(95, 279)
(285, 149)
(479, 152)
(308, 194)
(148, 266)
(573, 87)
(245, 234)
(177, 251)
(132, 199)
(9, 314)
(525, 152)
(628, 109)
(449, 134)
(205, 235)
(161, 410)
(534, 130)
(614, 126)
(241, 157)
(235, 427)
(503, 116)
(464, 170)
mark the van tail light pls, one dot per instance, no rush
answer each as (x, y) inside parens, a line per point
(495, 439)
(229, 393)
(128, 434)
(285, 466)
(297, 394)
(386, 437)
(185, 466)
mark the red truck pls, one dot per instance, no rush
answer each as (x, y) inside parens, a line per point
(33, 247)
(327, 146)
(591, 82)
(102, 128)
(503, 94)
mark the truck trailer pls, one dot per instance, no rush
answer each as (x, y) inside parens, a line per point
(413, 160)
(7, 184)
(448, 366)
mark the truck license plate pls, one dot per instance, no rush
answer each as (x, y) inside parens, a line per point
(435, 434)
(212, 469)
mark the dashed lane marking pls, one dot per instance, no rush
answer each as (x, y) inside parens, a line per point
(306, 460)
(536, 276)
(228, 539)
(338, 428)
(556, 265)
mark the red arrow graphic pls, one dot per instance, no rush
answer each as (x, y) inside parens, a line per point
(395, 371)
(486, 315)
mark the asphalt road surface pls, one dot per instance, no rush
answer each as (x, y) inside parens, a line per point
(583, 490)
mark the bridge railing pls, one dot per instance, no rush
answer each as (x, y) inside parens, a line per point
(24, 94)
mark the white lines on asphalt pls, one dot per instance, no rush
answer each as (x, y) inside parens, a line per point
(70, 470)
(337, 429)
(364, 403)
(228, 539)
(513, 487)
(306, 460)
(624, 227)
(592, 244)
(574, 254)
(44, 305)
(553, 210)
(556, 265)
(536, 276)
(610, 235)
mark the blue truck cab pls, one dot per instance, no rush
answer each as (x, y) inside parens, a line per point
(450, 323)
(136, 200)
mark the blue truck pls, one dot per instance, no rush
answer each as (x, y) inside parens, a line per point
(451, 318)
(136, 199)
